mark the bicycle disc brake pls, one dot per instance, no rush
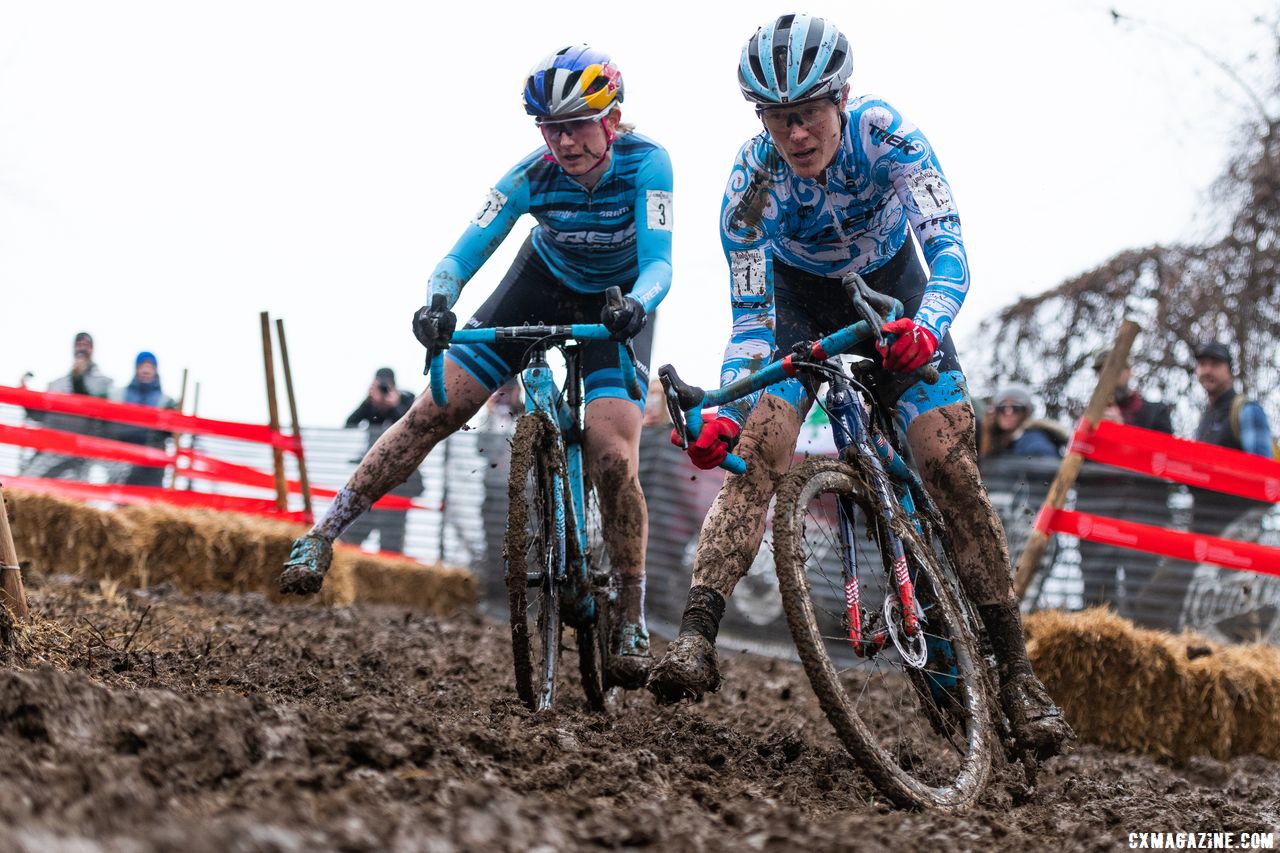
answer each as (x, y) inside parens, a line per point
(914, 650)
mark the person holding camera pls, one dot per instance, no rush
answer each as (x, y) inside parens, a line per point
(384, 405)
(84, 378)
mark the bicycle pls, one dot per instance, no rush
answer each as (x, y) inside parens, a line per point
(886, 637)
(552, 544)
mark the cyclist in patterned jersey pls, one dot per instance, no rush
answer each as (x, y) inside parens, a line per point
(601, 196)
(834, 186)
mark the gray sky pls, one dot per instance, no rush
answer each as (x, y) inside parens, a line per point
(170, 169)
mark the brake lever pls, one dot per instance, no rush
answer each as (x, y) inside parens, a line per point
(857, 290)
(672, 399)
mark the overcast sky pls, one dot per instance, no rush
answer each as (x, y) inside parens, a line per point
(169, 169)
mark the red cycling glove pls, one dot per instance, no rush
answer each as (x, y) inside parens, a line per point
(713, 444)
(915, 345)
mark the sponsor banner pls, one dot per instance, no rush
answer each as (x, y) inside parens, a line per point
(1192, 463)
(1200, 548)
(148, 495)
(165, 420)
(187, 462)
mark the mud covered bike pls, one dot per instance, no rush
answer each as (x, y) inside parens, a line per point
(887, 639)
(556, 570)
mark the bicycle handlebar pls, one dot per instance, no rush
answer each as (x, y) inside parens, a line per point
(538, 332)
(685, 402)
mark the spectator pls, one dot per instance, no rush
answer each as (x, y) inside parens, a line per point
(383, 406)
(1229, 420)
(84, 378)
(144, 390)
(1006, 428)
(1129, 406)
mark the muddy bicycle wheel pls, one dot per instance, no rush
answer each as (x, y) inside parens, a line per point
(910, 705)
(535, 557)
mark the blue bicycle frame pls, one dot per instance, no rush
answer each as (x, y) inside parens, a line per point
(564, 409)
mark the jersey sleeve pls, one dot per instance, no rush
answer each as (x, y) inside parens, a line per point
(503, 205)
(901, 151)
(653, 229)
(747, 214)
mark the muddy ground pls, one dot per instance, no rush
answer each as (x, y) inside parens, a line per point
(153, 720)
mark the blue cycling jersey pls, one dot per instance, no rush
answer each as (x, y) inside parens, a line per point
(617, 233)
(884, 182)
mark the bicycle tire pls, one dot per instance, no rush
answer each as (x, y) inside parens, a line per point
(533, 545)
(887, 747)
(593, 638)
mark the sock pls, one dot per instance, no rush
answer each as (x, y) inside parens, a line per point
(702, 613)
(347, 506)
(632, 599)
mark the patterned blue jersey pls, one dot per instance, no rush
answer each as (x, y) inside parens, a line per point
(885, 181)
(618, 233)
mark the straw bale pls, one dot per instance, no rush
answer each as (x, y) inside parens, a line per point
(437, 589)
(61, 536)
(1119, 686)
(199, 549)
(1251, 678)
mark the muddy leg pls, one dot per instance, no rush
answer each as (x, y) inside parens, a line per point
(388, 463)
(942, 441)
(612, 445)
(728, 544)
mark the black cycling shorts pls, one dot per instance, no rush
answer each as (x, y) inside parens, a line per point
(530, 293)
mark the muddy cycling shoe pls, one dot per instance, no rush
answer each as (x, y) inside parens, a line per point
(686, 671)
(629, 659)
(303, 572)
(1035, 721)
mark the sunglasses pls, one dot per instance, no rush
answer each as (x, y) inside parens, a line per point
(806, 114)
(571, 125)
(1010, 409)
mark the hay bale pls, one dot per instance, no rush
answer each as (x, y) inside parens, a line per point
(199, 549)
(436, 589)
(62, 536)
(1251, 678)
(1119, 686)
(1173, 697)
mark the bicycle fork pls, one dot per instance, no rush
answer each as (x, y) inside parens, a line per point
(842, 406)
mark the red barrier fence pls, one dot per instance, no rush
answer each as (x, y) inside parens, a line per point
(186, 462)
(1191, 463)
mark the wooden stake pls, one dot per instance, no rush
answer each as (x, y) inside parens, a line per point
(11, 592)
(277, 455)
(195, 411)
(1103, 394)
(177, 436)
(293, 415)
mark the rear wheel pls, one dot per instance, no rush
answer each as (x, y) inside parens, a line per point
(910, 705)
(535, 557)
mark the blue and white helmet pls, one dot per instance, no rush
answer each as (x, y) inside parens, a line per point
(795, 58)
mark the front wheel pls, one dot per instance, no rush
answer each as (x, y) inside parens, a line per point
(534, 548)
(909, 704)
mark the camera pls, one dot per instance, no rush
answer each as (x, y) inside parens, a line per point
(384, 387)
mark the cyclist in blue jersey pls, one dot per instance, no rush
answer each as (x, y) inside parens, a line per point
(601, 195)
(835, 186)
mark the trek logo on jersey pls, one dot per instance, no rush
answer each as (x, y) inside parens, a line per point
(747, 269)
(658, 209)
(882, 136)
(930, 192)
(493, 204)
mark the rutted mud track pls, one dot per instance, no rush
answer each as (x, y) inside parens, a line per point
(224, 722)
